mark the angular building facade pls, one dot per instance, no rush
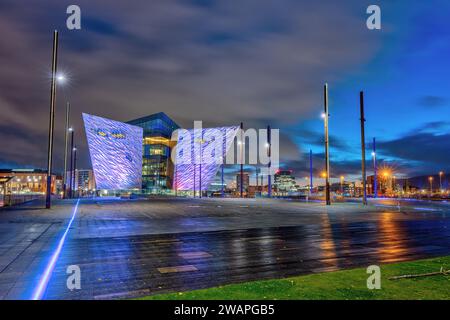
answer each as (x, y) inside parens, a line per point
(158, 168)
(115, 149)
(198, 161)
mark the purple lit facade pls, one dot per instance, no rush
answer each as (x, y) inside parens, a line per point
(116, 153)
(203, 162)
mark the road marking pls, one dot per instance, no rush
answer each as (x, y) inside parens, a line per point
(43, 282)
(185, 268)
(194, 255)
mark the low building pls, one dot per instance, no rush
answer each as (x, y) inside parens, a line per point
(26, 181)
(245, 184)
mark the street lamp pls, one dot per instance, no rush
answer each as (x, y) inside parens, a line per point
(327, 147)
(51, 125)
(342, 185)
(441, 173)
(71, 131)
(61, 78)
(269, 154)
(74, 171)
(375, 177)
(431, 184)
(66, 133)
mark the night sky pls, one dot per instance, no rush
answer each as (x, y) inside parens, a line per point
(260, 62)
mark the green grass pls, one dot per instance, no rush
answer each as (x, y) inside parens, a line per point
(339, 285)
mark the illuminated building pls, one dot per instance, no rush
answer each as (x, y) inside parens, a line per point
(84, 179)
(284, 181)
(116, 153)
(198, 159)
(26, 181)
(158, 169)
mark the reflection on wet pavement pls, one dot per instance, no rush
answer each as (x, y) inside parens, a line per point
(130, 266)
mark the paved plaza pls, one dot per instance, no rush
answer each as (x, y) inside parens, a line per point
(131, 248)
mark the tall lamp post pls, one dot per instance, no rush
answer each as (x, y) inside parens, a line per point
(375, 177)
(71, 163)
(52, 121)
(269, 154)
(74, 191)
(441, 173)
(363, 147)
(200, 171)
(66, 134)
(310, 172)
(430, 179)
(327, 147)
(242, 161)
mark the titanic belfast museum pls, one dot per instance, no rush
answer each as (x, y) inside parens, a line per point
(137, 155)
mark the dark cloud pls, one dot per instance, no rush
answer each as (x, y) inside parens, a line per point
(427, 150)
(195, 60)
(431, 101)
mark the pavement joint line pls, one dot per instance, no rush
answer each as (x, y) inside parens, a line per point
(42, 285)
(29, 245)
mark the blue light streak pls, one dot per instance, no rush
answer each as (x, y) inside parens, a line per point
(40, 289)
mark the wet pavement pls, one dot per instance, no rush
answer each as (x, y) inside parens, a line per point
(140, 247)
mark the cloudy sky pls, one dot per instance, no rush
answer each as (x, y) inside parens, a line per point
(257, 61)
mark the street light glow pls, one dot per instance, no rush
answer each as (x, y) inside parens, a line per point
(61, 78)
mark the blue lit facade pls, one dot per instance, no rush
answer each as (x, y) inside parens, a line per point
(115, 149)
(204, 160)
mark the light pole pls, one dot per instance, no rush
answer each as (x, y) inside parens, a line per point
(441, 173)
(51, 121)
(342, 185)
(71, 162)
(66, 133)
(74, 191)
(200, 171)
(269, 154)
(310, 172)
(224, 144)
(431, 185)
(242, 161)
(327, 151)
(363, 147)
(195, 169)
(375, 177)
(257, 182)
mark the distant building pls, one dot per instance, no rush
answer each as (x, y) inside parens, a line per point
(246, 182)
(284, 181)
(26, 181)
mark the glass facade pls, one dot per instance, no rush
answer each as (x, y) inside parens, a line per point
(157, 167)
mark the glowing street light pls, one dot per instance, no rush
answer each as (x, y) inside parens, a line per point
(61, 78)
(431, 184)
(441, 173)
